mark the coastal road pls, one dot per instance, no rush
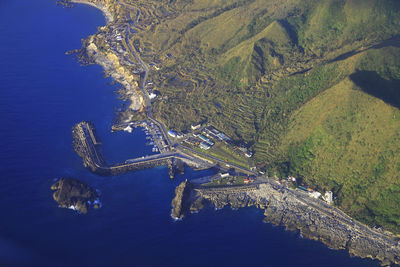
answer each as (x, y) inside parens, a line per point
(155, 157)
(225, 164)
(330, 211)
(158, 157)
(145, 74)
(148, 100)
(135, 54)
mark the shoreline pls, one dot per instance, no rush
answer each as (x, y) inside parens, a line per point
(295, 211)
(291, 219)
(107, 14)
(112, 65)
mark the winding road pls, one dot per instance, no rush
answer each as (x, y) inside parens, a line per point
(144, 76)
(145, 73)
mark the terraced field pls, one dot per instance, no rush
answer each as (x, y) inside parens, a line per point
(311, 87)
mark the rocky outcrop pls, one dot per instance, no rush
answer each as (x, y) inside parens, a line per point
(297, 211)
(181, 202)
(106, 48)
(74, 194)
(114, 66)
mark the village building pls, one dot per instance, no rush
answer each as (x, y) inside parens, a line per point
(328, 197)
(172, 134)
(314, 194)
(195, 126)
(205, 146)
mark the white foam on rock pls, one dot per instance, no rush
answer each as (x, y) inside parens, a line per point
(128, 129)
(97, 202)
(175, 218)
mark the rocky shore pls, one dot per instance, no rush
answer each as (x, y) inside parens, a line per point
(314, 219)
(107, 49)
(74, 194)
(112, 66)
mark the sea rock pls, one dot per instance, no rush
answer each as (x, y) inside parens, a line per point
(74, 194)
(182, 201)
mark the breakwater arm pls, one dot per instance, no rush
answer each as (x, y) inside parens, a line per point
(87, 144)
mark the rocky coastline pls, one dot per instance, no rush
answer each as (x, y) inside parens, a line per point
(295, 211)
(282, 206)
(106, 49)
(74, 194)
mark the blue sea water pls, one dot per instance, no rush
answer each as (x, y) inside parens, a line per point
(43, 93)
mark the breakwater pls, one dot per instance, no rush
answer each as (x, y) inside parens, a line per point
(295, 211)
(87, 144)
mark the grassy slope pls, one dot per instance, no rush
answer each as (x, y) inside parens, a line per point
(329, 25)
(224, 44)
(346, 140)
(235, 63)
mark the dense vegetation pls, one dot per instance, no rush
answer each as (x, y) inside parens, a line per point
(312, 88)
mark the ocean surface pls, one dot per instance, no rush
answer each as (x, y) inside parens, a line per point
(43, 93)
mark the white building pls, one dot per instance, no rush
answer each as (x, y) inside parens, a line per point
(204, 146)
(172, 133)
(195, 126)
(328, 197)
(248, 154)
(315, 194)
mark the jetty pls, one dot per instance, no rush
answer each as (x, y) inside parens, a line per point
(87, 145)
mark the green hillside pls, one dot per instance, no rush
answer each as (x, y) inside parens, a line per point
(312, 88)
(346, 139)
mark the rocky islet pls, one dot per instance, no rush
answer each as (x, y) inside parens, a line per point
(74, 194)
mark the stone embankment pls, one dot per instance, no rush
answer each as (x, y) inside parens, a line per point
(297, 211)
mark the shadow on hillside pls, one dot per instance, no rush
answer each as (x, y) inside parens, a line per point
(372, 83)
(393, 42)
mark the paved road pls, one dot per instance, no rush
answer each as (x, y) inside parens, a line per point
(155, 157)
(145, 75)
(225, 163)
(175, 155)
(148, 100)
